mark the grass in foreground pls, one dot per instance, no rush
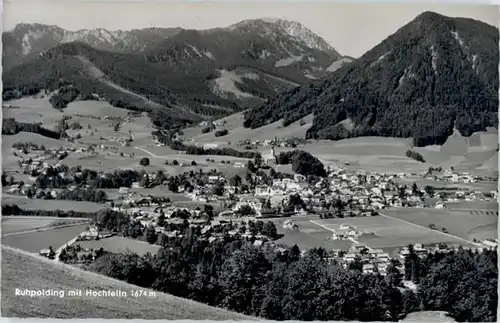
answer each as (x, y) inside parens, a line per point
(23, 270)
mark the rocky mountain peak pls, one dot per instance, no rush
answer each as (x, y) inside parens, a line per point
(290, 27)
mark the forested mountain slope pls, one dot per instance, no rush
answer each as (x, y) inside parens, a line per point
(194, 74)
(432, 75)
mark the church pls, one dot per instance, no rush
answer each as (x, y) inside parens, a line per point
(269, 158)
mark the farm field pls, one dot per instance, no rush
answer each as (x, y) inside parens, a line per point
(460, 223)
(13, 224)
(40, 273)
(33, 110)
(93, 109)
(234, 123)
(109, 163)
(119, 244)
(34, 241)
(63, 205)
(473, 206)
(389, 234)
(309, 235)
(422, 182)
(373, 154)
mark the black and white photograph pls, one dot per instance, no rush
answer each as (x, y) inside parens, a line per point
(250, 161)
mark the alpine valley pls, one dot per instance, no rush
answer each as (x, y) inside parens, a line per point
(183, 74)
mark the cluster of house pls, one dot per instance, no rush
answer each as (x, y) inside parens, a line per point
(465, 196)
(373, 260)
(348, 232)
(276, 142)
(214, 123)
(423, 250)
(147, 212)
(123, 140)
(450, 175)
(94, 233)
(37, 160)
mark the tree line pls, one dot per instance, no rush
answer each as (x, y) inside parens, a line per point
(11, 127)
(166, 139)
(284, 285)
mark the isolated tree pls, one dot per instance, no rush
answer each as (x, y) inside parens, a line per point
(144, 161)
(52, 253)
(151, 235)
(394, 277)
(414, 189)
(269, 229)
(429, 190)
(161, 219)
(145, 182)
(209, 210)
(258, 160)
(402, 192)
(218, 189)
(235, 180)
(160, 177)
(173, 186)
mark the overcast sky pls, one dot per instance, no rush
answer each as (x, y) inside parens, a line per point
(350, 28)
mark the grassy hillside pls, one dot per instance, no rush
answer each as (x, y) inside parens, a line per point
(23, 270)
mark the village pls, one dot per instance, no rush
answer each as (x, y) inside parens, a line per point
(342, 194)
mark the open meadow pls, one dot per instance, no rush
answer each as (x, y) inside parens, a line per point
(234, 124)
(15, 224)
(459, 223)
(39, 273)
(40, 204)
(309, 236)
(119, 244)
(34, 241)
(473, 206)
(33, 110)
(422, 182)
(388, 234)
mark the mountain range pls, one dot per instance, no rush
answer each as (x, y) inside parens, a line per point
(191, 74)
(432, 76)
